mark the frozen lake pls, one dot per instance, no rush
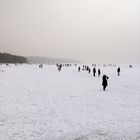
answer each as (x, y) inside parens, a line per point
(44, 104)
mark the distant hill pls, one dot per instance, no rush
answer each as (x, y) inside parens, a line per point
(9, 58)
(46, 60)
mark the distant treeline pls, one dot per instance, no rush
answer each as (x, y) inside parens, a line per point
(8, 58)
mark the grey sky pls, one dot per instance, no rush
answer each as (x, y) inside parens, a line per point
(98, 31)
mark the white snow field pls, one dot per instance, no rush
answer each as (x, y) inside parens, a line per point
(44, 104)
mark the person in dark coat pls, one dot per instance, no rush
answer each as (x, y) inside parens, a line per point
(104, 81)
(118, 70)
(79, 69)
(94, 71)
(59, 66)
(99, 72)
(40, 65)
(89, 70)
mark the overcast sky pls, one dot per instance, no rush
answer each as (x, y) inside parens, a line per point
(98, 31)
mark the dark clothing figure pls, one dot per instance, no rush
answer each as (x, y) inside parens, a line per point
(40, 66)
(94, 71)
(59, 67)
(79, 69)
(99, 72)
(104, 81)
(118, 70)
(89, 70)
(130, 66)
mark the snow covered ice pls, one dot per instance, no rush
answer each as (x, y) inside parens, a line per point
(44, 104)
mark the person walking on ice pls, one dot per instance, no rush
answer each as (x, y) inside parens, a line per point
(89, 70)
(94, 71)
(99, 72)
(104, 81)
(79, 69)
(118, 70)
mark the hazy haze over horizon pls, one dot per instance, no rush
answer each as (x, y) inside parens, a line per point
(97, 31)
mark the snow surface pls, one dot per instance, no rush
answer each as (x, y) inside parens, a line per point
(44, 104)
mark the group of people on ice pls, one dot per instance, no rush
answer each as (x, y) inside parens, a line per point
(88, 69)
(104, 77)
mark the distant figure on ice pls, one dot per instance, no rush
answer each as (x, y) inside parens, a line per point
(118, 70)
(104, 81)
(59, 66)
(130, 66)
(89, 70)
(94, 71)
(99, 72)
(40, 65)
(79, 69)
